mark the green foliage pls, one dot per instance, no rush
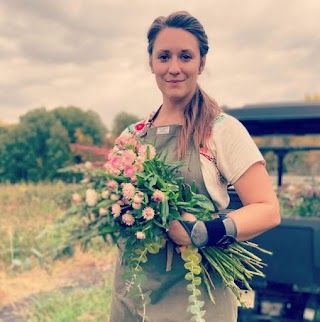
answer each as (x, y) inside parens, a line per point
(38, 146)
(122, 121)
(193, 264)
(26, 210)
(234, 263)
(73, 118)
(34, 149)
(300, 200)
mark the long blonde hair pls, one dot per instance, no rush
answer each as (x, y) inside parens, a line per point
(202, 109)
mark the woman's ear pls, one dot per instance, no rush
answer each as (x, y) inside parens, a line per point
(202, 64)
(150, 64)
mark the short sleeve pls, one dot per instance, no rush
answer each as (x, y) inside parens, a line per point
(233, 147)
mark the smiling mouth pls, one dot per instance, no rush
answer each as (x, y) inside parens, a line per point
(175, 81)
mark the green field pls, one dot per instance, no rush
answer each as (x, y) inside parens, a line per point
(61, 291)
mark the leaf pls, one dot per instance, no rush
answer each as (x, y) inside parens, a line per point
(153, 248)
(192, 298)
(189, 276)
(188, 266)
(201, 304)
(164, 210)
(143, 258)
(194, 258)
(194, 309)
(196, 270)
(197, 281)
(190, 287)
(204, 202)
(152, 182)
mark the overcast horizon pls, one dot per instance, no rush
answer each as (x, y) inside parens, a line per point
(92, 54)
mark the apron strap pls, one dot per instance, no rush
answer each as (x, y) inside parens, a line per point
(169, 255)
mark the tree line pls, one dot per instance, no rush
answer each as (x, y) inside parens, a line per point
(39, 145)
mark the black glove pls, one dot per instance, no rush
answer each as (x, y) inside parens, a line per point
(216, 232)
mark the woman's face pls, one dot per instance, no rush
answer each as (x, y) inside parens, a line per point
(176, 63)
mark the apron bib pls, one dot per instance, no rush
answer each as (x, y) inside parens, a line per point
(169, 298)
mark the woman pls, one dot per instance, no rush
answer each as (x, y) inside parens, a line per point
(217, 151)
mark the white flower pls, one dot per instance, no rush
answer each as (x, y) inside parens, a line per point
(148, 213)
(140, 235)
(105, 194)
(76, 198)
(91, 197)
(128, 219)
(102, 211)
(116, 210)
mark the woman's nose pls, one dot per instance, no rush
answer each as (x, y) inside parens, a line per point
(174, 67)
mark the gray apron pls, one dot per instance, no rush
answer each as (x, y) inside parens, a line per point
(169, 298)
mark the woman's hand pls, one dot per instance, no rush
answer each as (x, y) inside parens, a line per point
(177, 233)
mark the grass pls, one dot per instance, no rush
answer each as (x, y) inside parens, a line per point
(80, 305)
(25, 211)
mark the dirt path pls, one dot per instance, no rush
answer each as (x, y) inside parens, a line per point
(83, 270)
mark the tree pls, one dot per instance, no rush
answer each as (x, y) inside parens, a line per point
(34, 149)
(75, 119)
(121, 121)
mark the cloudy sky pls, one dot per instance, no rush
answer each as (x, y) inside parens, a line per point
(92, 53)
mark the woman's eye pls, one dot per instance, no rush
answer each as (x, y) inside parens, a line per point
(186, 57)
(163, 57)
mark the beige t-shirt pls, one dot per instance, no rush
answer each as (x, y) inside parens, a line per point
(230, 152)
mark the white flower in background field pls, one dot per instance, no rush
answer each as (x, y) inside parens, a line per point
(76, 198)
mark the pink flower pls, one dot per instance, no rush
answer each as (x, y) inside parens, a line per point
(129, 171)
(128, 219)
(139, 166)
(140, 235)
(116, 210)
(147, 151)
(116, 162)
(158, 196)
(128, 157)
(139, 126)
(148, 213)
(112, 185)
(123, 140)
(128, 190)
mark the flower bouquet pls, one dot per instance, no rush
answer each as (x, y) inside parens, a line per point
(136, 197)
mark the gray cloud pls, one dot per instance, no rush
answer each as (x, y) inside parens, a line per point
(93, 53)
